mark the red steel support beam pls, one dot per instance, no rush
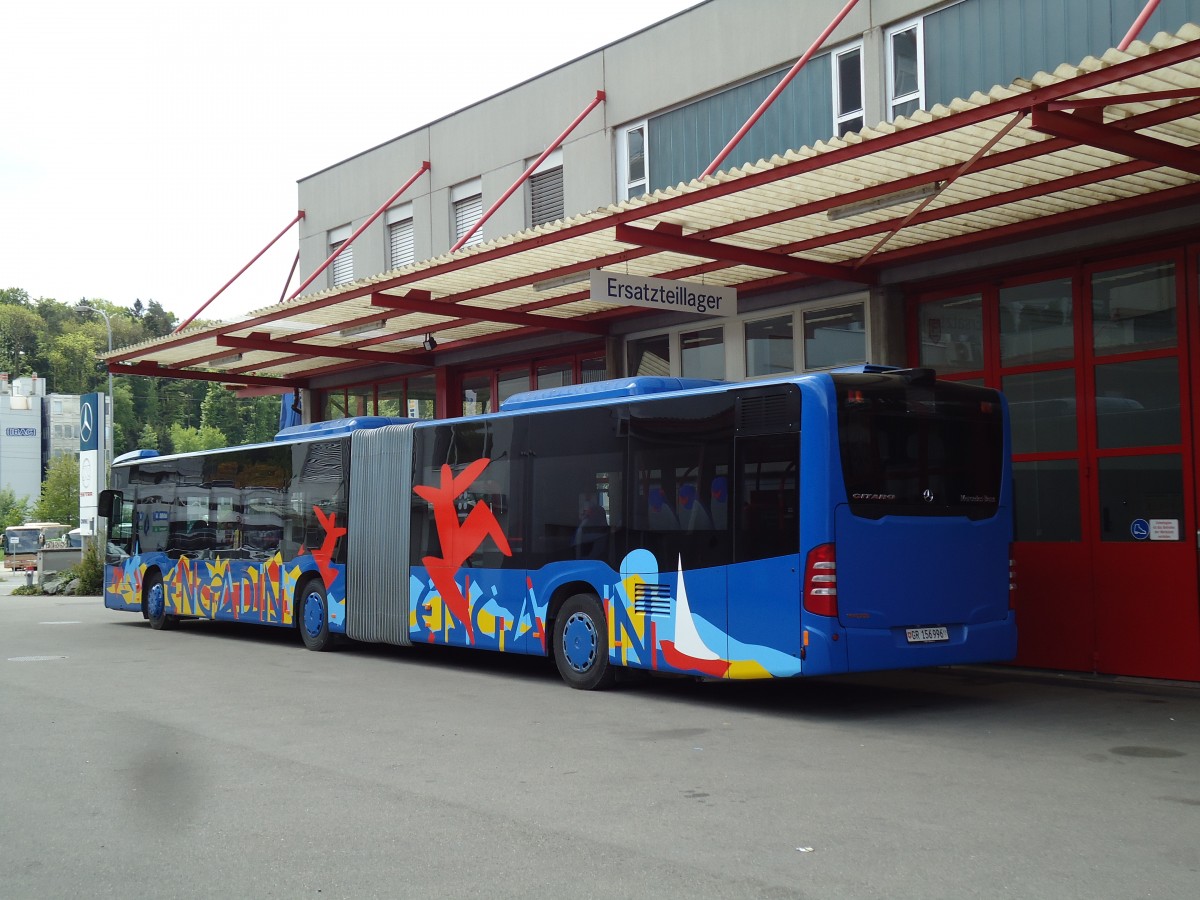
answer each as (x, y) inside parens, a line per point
(1106, 137)
(787, 79)
(1138, 24)
(308, 350)
(660, 240)
(186, 322)
(156, 371)
(480, 314)
(596, 101)
(941, 186)
(421, 170)
(291, 275)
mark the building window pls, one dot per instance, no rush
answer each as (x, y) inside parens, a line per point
(905, 69)
(702, 353)
(593, 370)
(770, 346)
(413, 398)
(650, 356)
(633, 161)
(511, 382)
(835, 336)
(342, 269)
(476, 395)
(400, 236)
(848, 90)
(952, 334)
(546, 191)
(467, 200)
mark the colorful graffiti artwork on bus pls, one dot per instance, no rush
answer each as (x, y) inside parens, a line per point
(259, 591)
(458, 539)
(651, 622)
(256, 592)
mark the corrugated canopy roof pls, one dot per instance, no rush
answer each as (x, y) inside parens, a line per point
(1115, 135)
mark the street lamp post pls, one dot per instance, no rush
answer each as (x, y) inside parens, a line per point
(112, 406)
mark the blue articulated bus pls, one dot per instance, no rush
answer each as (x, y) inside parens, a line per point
(816, 524)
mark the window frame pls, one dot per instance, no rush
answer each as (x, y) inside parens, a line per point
(336, 238)
(624, 184)
(918, 26)
(549, 164)
(734, 337)
(398, 216)
(461, 193)
(840, 119)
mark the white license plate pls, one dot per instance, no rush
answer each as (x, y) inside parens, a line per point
(926, 635)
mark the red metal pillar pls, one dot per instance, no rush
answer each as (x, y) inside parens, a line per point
(599, 98)
(787, 79)
(188, 320)
(421, 170)
(1138, 24)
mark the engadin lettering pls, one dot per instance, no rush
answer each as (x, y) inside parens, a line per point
(872, 496)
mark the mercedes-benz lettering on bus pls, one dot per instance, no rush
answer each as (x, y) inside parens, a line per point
(817, 524)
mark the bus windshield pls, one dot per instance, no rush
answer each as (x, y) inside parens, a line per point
(916, 447)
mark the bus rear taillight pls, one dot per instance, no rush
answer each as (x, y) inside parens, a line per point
(820, 581)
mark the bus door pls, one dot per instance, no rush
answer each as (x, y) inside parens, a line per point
(679, 539)
(764, 579)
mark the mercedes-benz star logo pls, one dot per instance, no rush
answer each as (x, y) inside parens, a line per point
(927, 495)
(87, 422)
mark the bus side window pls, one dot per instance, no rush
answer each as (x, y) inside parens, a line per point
(768, 496)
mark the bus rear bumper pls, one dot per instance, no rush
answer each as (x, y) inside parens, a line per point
(891, 648)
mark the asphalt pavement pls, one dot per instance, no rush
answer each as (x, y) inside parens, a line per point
(222, 761)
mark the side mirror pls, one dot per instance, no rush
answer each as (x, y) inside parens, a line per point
(104, 506)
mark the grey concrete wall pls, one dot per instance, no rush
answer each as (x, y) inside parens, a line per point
(51, 561)
(705, 49)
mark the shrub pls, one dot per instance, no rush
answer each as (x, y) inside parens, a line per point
(90, 570)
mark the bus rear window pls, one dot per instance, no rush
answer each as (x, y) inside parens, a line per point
(913, 446)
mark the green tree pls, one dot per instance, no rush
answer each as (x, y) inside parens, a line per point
(264, 420)
(21, 331)
(13, 509)
(189, 440)
(15, 297)
(148, 439)
(224, 412)
(59, 501)
(158, 321)
(72, 363)
(125, 423)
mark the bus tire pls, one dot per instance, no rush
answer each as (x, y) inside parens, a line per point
(154, 604)
(312, 615)
(581, 644)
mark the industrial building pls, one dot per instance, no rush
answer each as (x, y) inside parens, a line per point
(1003, 190)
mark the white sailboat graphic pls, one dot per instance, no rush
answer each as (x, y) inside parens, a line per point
(687, 638)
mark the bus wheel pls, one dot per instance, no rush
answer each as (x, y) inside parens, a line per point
(154, 602)
(581, 644)
(313, 618)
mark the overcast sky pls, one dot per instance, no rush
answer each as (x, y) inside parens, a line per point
(149, 148)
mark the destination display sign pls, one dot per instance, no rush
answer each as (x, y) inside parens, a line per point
(660, 293)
